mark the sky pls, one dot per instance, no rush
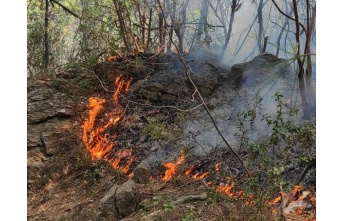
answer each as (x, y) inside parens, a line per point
(13, 185)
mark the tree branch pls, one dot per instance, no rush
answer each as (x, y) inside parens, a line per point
(65, 8)
(287, 16)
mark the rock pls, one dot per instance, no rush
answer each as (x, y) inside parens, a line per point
(257, 70)
(143, 138)
(45, 103)
(49, 120)
(119, 201)
(169, 84)
(107, 203)
(168, 98)
(33, 136)
(142, 173)
(126, 199)
(150, 95)
(205, 86)
(134, 88)
(150, 91)
(155, 87)
(264, 59)
(52, 134)
(237, 71)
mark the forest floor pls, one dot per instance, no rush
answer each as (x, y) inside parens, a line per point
(71, 185)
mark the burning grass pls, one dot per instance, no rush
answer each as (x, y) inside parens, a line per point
(296, 204)
(98, 141)
(101, 142)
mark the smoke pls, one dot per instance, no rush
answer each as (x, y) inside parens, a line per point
(256, 93)
(243, 40)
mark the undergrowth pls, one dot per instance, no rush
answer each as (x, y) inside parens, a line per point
(288, 141)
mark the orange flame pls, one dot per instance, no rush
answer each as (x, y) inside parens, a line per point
(172, 167)
(295, 202)
(226, 188)
(216, 167)
(200, 177)
(189, 171)
(96, 138)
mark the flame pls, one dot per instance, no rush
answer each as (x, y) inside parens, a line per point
(99, 143)
(171, 167)
(200, 177)
(216, 167)
(210, 183)
(104, 146)
(226, 188)
(294, 202)
(189, 170)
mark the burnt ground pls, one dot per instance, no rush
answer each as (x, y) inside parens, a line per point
(69, 185)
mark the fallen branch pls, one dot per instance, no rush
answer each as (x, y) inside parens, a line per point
(192, 198)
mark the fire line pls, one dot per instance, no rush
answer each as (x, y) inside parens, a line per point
(100, 144)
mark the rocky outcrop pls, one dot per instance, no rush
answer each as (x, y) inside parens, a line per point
(49, 121)
(258, 69)
(169, 83)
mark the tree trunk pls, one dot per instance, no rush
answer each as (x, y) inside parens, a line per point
(142, 22)
(260, 25)
(202, 26)
(309, 26)
(265, 42)
(171, 10)
(234, 8)
(46, 36)
(121, 24)
(300, 62)
(179, 26)
(161, 34)
(305, 84)
(149, 31)
(290, 12)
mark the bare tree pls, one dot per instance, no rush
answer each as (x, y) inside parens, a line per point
(235, 6)
(179, 25)
(46, 28)
(119, 12)
(310, 23)
(304, 62)
(261, 39)
(202, 26)
(171, 11)
(162, 26)
(283, 29)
